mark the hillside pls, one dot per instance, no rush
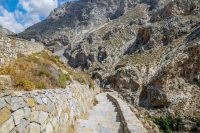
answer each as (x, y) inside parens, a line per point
(29, 66)
(5, 31)
(147, 51)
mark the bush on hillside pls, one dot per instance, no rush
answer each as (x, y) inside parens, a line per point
(167, 124)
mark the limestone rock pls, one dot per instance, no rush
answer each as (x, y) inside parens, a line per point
(42, 117)
(27, 112)
(35, 116)
(49, 128)
(16, 102)
(38, 100)
(7, 126)
(2, 103)
(30, 102)
(34, 128)
(4, 115)
(22, 126)
(18, 115)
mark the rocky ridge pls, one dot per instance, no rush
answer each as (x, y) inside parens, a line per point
(5, 31)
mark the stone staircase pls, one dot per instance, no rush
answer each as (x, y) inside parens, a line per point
(110, 115)
(103, 118)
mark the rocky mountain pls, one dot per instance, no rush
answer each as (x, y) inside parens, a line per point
(5, 31)
(147, 50)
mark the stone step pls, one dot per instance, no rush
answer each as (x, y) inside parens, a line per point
(102, 118)
(104, 109)
(100, 126)
(103, 113)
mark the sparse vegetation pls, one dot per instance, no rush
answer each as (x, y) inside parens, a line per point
(41, 71)
(44, 72)
(167, 124)
(84, 79)
(62, 80)
(42, 85)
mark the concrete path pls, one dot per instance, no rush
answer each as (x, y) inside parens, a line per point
(103, 118)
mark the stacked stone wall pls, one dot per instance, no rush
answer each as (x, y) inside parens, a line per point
(49, 111)
(10, 47)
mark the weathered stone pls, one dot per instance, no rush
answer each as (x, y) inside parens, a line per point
(27, 112)
(38, 100)
(42, 117)
(49, 128)
(21, 128)
(16, 103)
(45, 117)
(34, 128)
(50, 106)
(43, 127)
(30, 102)
(5, 93)
(13, 131)
(157, 97)
(7, 126)
(4, 115)
(102, 55)
(41, 107)
(55, 121)
(2, 103)
(18, 115)
(35, 116)
(45, 100)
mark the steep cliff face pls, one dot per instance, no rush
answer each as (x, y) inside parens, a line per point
(146, 50)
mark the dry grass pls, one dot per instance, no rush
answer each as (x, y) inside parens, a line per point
(41, 71)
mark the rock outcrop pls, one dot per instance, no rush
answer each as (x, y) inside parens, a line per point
(74, 19)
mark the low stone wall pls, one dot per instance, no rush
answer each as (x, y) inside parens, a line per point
(50, 111)
(10, 47)
(130, 122)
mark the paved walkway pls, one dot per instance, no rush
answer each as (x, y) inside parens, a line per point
(103, 118)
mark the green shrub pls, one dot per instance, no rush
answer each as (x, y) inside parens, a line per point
(91, 83)
(62, 79)
(167, 124)
(68, 78)
(55, 59)
(24, 83)
(42, 85)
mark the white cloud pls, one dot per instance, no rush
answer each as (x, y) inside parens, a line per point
(43, 7)
(34, 9)
(7, 20)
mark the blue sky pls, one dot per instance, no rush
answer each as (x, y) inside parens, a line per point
(17, 15)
